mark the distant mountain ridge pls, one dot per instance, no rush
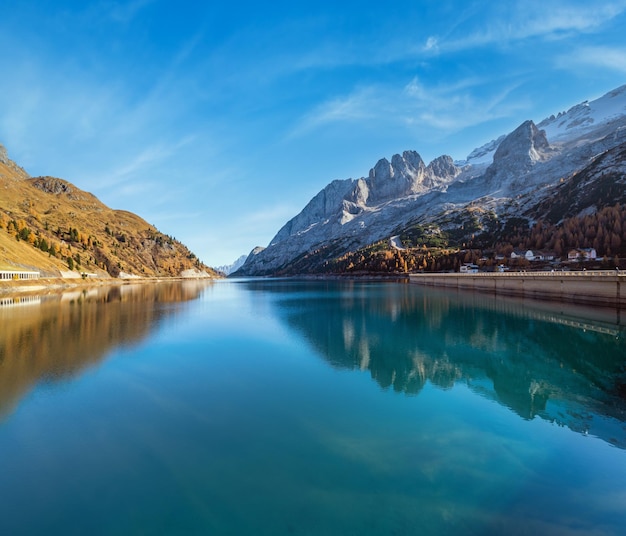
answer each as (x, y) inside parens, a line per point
(518, 172)
(49, 225)
(233, 267)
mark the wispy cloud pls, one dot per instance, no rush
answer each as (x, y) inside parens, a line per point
(533, 19)
(547, 20)
(452, 108)
(140, 162)
(446, 108)
(114, 129)
(610, 58)
(363, 104)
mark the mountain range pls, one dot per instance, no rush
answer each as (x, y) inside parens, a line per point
(568, 165)
(51, 226)
(228, 269)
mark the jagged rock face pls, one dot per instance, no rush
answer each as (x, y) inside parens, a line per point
(326, 204)
(526, 144)
(19, 172)
(52, 185)
(407, 174)
(342, 200)
(443, 169)
(345, 207)
(518, 153)
(60, 187)
(402, 176)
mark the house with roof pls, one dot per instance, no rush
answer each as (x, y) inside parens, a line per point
(544, 255)
(581, 254)
(523, 254)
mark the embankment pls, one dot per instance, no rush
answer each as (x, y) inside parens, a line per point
(606, 288)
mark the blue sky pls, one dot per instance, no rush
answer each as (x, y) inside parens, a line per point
(218, 121)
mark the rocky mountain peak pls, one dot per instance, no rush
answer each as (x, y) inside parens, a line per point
(518, 153)
(407, 174)
(443, 167)
(4, 156)
(382, 171)
(19, 172)
(410, 163)
(526, 141)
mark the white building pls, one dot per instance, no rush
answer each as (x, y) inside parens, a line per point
(523, 254)
(582, 254)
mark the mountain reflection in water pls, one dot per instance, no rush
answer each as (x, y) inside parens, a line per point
(538, 359)
(49, 338)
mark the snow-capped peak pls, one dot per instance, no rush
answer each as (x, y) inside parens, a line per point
(585, 116)
(565, 126)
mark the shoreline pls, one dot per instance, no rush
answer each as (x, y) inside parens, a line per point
(56, 284)
(605, 288)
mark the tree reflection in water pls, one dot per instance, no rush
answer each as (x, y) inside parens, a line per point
(53, 337)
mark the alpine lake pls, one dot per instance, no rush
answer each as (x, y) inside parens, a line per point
(319, 407)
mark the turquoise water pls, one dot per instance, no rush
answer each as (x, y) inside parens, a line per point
(309, 408)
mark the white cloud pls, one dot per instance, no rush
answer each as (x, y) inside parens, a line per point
(361, 105)
(553, 19)
(446, 108)
(431, 43)
(452, 108)
(604, 57)
(538, 19)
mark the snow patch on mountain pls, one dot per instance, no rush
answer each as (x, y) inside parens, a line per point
(586, 116)
(564, 127)
(483, 154)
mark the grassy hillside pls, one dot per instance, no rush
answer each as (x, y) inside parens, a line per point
(50, 225)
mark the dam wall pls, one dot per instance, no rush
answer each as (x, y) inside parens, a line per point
(606, 288)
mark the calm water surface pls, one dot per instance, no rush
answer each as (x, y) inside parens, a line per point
(309, 408)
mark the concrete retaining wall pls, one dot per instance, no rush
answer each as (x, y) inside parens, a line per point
(11, 275)
(594, 287)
